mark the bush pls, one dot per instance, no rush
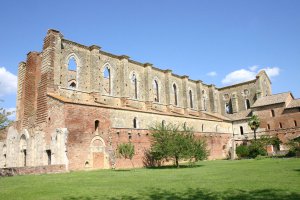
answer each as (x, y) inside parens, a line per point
(256, 148)
(242, 151)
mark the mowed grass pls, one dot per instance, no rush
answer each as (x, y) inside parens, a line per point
(245, 179)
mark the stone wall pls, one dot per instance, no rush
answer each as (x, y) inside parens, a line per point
(32, 170)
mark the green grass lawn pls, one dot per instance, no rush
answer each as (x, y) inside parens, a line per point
(245, 179)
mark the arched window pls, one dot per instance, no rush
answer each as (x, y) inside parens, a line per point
(247, 104)
(135, 122)
(96, 125)
(156, 91)
(72, 73)
(191, 98)
(107, 80)
(72, 85)
(228, 107)
(72, 66)
(134, 82)
(175, 94)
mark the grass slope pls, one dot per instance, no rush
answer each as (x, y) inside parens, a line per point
(246, 179)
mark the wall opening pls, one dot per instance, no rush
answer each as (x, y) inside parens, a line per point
(202, 127)
(156, 91)
(184, 125)
(49, 156)
(272, 113)
(135, 122)
(280, 125)
(72, 64)
(107, 80)
(241, 130)
(97, 125)
(228, 107)
(72, 85)
(191, 98)
(268, 127)
(295, 123)
(247, 104)
(175, 94)
(72, 73)
(25, 155)
(4, 160)
(134, 82)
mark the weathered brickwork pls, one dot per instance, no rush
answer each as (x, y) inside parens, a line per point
(76, 117)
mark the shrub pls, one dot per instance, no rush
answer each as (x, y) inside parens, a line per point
(256, 148)
(242, 151)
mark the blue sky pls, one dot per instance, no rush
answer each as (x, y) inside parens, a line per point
(219, 42)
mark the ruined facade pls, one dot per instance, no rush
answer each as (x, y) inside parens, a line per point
(76, 103)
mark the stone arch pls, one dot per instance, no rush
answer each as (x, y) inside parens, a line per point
(107, 78)
(23, 150)
(97, 153)
(156, 87)
(175, 92)
(70, 75)
(134, 84)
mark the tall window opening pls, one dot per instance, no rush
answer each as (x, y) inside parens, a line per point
(25, 155)
(156, 91)
(217, 128)
(175, 94)
(295, 123)
(268, 126)
(96, 125)
(134, 82)
(241, 130)
(49, 156)
(191, 98)
(272, 113)
(280, 125)
(72, 73)
(107, 80)
(228, 107)
(202, 127)
(247, 103)
(135, 122)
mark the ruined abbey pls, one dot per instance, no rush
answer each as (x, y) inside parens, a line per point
(75, 116)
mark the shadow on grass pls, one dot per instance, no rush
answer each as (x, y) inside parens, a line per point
(297, 170)
(174, 167)
(154, 194)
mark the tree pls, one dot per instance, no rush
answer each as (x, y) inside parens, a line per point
(126, 150)
(4, 121)
(171, 142)
(254, 123)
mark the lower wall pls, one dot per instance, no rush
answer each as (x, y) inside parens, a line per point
(32, 170)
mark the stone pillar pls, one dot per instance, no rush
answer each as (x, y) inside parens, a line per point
(199, 94)
(185, 98)
(148, 81)
(213, 98)
(234, 101)
(20, 98)
(168, 74)
(93, 68)
(124, 79)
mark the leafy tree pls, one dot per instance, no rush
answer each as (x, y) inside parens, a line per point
(4, 121)
(254, 123)
(171, 142)
(126, 150)
(242, 151)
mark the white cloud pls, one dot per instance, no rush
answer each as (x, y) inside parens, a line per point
(272, 71)
(238, 76)
(243, 75)
(8, 82)
(212, 73)
(253, 68)
(13, 113)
